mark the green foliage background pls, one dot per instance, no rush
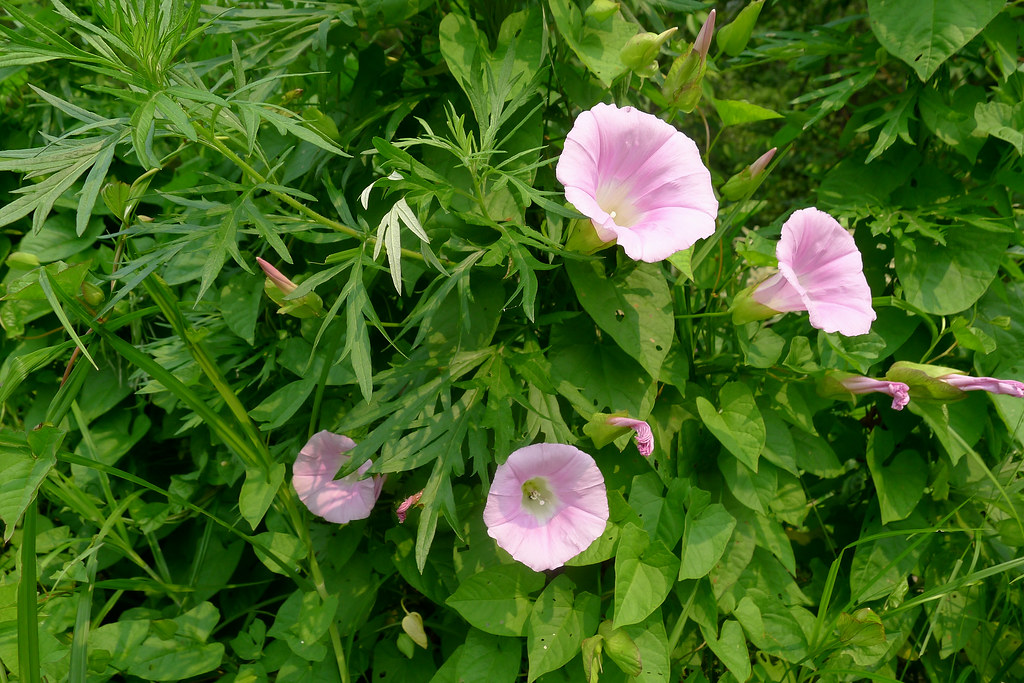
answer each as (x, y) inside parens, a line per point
(395, 157)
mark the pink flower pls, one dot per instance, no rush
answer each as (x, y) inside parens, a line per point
(547, 504)
(639, 180)
(899, 391)
(644, 435)
(820, 271)
(276, 276)
(1009, 387)
(403, 508)
(338, 501)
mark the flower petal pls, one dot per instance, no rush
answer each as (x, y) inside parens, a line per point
(339, 501)
(821, 261)
(639, 180)
(548, 541)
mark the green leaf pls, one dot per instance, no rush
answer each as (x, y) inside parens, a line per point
(645, 572)
(899, 480)
(739, 426)
(183, 655)
(483, 657)
(25, 463)
(730, 647)
(707, 534)
(280, 548)
(925, 33)
(754, 489)
(771, 627)
(557, 624)
(497, 599)
(634, 306)
(597, 44)
(652, 642)
(738, 112)
(815, 455)
(948, 279)
(258, 493)
(1001, 120)
(863, 628)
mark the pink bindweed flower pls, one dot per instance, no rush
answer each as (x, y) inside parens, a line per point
(1010, 387)
(276, 276)
(403, 508)
(820, 271)
(547, 504)
(644, 435)
(899, 391)
(639, 180)
(339, 501)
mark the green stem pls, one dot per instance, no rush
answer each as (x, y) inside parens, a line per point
(28, 617)
(716, 314)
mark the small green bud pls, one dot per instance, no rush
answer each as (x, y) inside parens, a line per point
(601, 10)
(22, 259)
(744, 182)
(733, 38)
(412, 624)
(583, 238)
(91, 294)
(642, 49)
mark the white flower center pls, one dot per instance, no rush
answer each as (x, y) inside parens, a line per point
(539, 500)
(615, 198)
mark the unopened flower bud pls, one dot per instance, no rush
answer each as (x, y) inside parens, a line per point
(683, 83)
(412, 624)
(22, 259)
(733, 37)
(91, 294)
(743, 182)
(600, 10)
(278, 287)
(703, 42)
(643, 49)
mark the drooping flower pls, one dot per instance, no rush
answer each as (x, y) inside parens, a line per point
(339, 501)
(1010, 387)
(821, 272)
(639, 180)
(403, 508)
(278, 286)
(547, 504)
(644, 435)
(837, 383)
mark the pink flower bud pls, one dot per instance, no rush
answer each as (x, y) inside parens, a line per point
(703, 42)
(762, 162)
(277, 277)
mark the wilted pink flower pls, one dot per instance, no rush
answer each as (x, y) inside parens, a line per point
(639, 180)
(276, 276)
(644, 435)
(547, 504)
(1009, 387)
(338, 501)
(899, 391)
(403, 508)
(820, 271)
